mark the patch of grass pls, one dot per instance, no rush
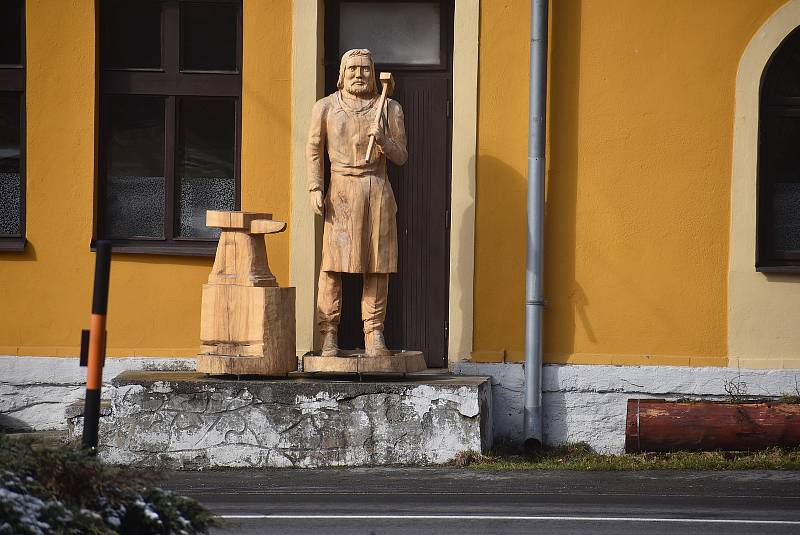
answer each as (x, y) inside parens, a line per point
(793, 399)
(63, 489)
(582, 457)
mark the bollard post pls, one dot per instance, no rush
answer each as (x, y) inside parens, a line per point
(93, 347)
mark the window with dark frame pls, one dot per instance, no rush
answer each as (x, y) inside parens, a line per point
(12, 125)
(778, 219)
(170, 120)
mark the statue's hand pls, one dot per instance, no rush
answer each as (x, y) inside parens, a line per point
(378, 133)
(316, 201)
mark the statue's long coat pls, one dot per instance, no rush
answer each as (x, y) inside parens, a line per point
(360, 233)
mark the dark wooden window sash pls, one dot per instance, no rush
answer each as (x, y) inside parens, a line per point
(12, 79)
(172, 84)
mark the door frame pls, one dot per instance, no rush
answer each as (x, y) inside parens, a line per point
(308, 79)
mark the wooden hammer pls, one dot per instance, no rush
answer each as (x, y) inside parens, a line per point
(388, 88)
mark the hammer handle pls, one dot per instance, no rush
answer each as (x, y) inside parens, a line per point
(381, 102)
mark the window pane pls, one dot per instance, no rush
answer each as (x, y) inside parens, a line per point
(779, 178)
(208, 37)
(205, 162)
(401, 32)
(132, 34)
(786, 216)
(780, 157)
(133, 206)
(782, 79)
(10, 176)
(11, 32)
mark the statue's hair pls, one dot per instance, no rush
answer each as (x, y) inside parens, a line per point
(354, 53)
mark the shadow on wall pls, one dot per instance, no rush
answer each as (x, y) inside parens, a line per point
(28, 255)
(578, 302)
(500, 244)
(9, 423)
(164, 260)
(782, 277)
(500, 256)
(465, 274)
(565, 297)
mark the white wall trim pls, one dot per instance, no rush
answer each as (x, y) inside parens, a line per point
(462, 192)
(36, 392)
(588, 403)
(305, 229)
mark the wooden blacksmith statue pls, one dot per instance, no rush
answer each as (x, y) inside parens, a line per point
(360, 130)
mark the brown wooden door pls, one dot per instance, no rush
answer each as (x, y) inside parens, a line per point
(418, 293)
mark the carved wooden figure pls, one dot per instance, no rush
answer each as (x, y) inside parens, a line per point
(247, 322)
(360, 131)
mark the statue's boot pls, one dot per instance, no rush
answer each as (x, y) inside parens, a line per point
(376, 346)
(330, 345)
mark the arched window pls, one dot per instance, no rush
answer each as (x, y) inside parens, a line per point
(778, 224)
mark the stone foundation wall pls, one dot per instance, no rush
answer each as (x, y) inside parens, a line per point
(587, 403)
(582, 403)
(36, 392)
(186, 420)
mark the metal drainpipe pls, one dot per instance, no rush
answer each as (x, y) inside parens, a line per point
(534, 299)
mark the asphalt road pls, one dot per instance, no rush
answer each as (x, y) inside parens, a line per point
(462, 501)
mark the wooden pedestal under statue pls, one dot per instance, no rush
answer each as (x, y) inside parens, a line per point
(247, 322)
(356, 362)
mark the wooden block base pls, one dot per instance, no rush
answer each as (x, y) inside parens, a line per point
(227, 365)
(247, 330)
(352, 362)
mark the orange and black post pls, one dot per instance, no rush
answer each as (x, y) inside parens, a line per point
(93, 344)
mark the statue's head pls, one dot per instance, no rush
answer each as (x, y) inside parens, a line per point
(357, 73)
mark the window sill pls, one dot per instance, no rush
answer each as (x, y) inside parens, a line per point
(12, 245)
(201, 249)
(778, 269)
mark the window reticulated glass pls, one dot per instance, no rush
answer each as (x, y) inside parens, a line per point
(10, 168)
(135, 185)
(206, 161)
(12, 125)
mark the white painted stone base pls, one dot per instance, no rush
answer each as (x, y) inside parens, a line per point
(189, 420)
(582, 403)
(36, 391)
(587, 403)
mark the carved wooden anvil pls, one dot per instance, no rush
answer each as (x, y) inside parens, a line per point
(247, 322)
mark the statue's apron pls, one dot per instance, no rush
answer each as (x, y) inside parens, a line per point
(360, 234)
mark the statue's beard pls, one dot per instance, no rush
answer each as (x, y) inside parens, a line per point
(360, 90)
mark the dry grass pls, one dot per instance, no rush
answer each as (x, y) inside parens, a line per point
(582, 457)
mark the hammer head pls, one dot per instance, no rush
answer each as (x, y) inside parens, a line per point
(388, 80)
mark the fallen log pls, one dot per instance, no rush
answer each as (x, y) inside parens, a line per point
(659, 425)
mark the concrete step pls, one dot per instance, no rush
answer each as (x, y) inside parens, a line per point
(191, 420)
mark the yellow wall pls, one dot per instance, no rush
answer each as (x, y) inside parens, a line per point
(154, 303)
(266, 121)
(641, 118)
(641, 115)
